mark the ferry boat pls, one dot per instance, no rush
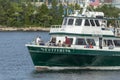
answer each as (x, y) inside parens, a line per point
(83, 41)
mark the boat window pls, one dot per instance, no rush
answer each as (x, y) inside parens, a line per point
(108, 42)
(70, 22)
(91, 41)
(100, 42)
(87, 22)
(97, 22)
(65, 21)
(92, 22)
(105, 43)
(53, 40)
(78, 22)
(71, 40)
(117, 43)
(80, 41)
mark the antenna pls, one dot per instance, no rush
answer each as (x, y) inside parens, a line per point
(85, 7)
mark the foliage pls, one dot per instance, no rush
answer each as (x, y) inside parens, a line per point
(22, 13)
(110, 12)
(43, 16)
(54, 12)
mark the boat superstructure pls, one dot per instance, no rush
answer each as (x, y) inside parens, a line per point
(83, 41)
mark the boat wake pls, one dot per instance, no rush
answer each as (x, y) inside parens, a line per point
(47, 68)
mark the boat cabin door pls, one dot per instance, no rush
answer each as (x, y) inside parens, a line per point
(100, 42)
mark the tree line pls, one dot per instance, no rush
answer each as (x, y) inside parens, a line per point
(24, 14)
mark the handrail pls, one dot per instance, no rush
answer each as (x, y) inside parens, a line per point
(55, 26)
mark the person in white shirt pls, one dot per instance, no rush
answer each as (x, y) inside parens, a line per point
(38, 40)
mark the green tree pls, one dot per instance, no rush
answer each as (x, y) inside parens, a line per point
(4, 11)
(60, 14)
(15, 16)
(43, 16)
(107, 10)
(54, 12)
(28, 10)
(77, 7)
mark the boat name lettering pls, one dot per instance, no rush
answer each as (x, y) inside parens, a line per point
(55, 50)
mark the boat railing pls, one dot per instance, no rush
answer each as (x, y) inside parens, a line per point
(55, 28)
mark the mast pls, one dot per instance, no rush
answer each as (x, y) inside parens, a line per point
(85, 7)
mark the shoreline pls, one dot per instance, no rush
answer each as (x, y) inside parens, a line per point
(24, 29)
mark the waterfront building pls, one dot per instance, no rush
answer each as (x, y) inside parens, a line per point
(116, 3)
(107, 1)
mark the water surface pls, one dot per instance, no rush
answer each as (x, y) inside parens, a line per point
(16, 63)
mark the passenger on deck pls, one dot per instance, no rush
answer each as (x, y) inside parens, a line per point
(87, 45)
(53, 41)
(90, 45)
(59, 43)
(39, 41)
(111, 46)
(103, 24)
(67, 42)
